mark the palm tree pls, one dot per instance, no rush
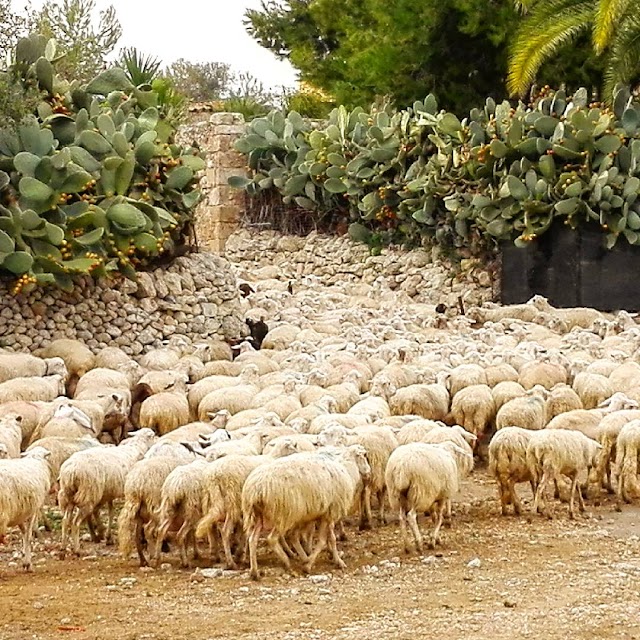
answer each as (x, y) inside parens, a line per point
(615, 34)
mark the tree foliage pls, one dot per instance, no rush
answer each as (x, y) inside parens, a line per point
(359, 49)
(200, 81)
(612, 26)
(85, 41)
(14, 26)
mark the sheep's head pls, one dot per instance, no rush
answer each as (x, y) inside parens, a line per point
(39, 453)
(358, 454)
(289, 385)
(471, 438)
(250, 373)
(220, 418)
(4, 452)
(56, 366)
(541, 303)
(618, 402)
(301, 425)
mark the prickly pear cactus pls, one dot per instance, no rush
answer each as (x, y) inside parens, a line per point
(91, 183)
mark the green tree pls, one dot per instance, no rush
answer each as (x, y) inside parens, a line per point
(14, 26)
(359, 49)
(200, 81)
(612, 26)
(85, 40)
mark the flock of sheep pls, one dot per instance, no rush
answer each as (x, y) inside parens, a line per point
(357, 400)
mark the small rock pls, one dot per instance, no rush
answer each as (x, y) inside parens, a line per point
(474, 564)
(38, 605)
(320, 578)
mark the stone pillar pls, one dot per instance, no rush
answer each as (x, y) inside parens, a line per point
(219, 212)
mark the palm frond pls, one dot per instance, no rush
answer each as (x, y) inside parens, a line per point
(623, 62)
(140, 68)
(547, 27)
(607, 18)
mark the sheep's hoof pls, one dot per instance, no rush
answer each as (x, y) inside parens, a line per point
(618, 508)
(364, 526)
(231, 566)
(27, 567)
(255, 575)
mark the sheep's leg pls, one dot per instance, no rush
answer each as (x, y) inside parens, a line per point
(574, 489)
(212, 540)
(342, 534)
(181, 541)
(556, 490)
(110, 514)
(297, 545)
(27, 533)
(412, 518)
(139, 537)
(581, 500)
(162, 534)
(226, 533)
(503, 495)
(96, 528)
(333, 546)
(366, 518)
(382, 499)
(253, 535)
(191, 537)
(402, 519)
(513, 497)
(273, 540)
(440, 507)
(538, 501)
(321, 543)
(83, 514)
(284, 543)
(67, 516)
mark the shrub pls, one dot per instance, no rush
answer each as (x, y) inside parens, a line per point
(422, 175)
(92, 181)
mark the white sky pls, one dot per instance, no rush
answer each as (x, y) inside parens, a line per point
(198, 30)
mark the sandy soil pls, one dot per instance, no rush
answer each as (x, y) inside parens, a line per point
(536, 578)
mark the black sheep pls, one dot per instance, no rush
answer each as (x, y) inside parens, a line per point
(258, 331)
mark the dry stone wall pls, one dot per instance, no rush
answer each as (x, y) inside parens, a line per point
(422, 274)
(197, 296)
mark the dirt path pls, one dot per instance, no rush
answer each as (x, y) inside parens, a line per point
(537, 579)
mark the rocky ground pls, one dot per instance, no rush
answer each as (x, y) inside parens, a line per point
(493, 578)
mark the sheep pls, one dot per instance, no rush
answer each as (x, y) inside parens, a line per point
(296, 491)
(350, 421)
(474, 409)
(94, 477)
(61, 449)
(416, 430)
(138, 520)
(372, 407)
(68, 422)
(421, 477)
(608, 432)
(233, 399)
(508, 465)
(77, 357)
(288, 444)
(181, 506)
(552, 452)
(32, 389)
(160, 359)
(593, 389)
(97, 380)
(24, 486)
(505, 391)
(326, 405)
(164, 412)
(11, 434)
(31, 414)
(545, 374)
(24, 365)
(249, 446)
(4, 452)
(166, 380)
(528, 412)
(465, 375)
(562, 399)
(462, 438)
(191, 432)
(429, 401)
(499, 373)
(573, 317)
(222, 503)
(111, 358)
(627, 451)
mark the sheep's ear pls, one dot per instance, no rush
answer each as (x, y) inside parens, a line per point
(18, 419)
(114, 396)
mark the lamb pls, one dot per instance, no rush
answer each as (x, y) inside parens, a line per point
(298, 490)
(552, 452)
(429, 401)
(11, 434)
(222, 503)
(138, 521)
(528, 412)
(164, 412)
(92, 478)
(32, 389)
(421, 477)
(627, 451)
(474, 409)
(24, 365)
(24, 486)
(508, 465)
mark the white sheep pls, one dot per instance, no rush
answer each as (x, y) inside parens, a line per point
(422, 478)
(555, 452)
(545, 374)
(593, 388)
(32, 389)
(416, 430)
(289, 444)
(11, 434)
(24, 365)
(505, 391)
(562, 399)
(92, 478)
(138, 519)
(527, 412)
(473, 408)
(627, 452)
(77, 357)
(508, 465)
(24, 486)
(294, 492)
(164, 412)
(429, 401)
(222, 503)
